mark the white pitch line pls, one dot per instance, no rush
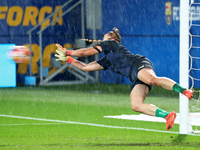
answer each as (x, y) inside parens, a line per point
(89, 124)
(28, 124)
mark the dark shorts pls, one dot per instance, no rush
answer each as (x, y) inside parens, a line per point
(136, 67)
(139, 82)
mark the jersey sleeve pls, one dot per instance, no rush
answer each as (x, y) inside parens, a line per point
(104, 62)
(105, 45)
(95, 46)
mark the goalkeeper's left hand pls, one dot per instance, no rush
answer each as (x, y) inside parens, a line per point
(67, 52)
(61, 55)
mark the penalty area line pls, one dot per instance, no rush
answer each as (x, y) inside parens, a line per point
(83, 123)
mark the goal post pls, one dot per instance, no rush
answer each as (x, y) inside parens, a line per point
(184, 127)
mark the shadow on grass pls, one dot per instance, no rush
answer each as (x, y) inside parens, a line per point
(177, 141)
(187, 144)
(179, 138)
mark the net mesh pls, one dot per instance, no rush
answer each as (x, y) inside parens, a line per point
(194, 60)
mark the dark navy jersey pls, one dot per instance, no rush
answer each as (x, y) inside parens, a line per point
(120, 60)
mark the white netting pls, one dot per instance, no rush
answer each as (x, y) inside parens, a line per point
(194, 57)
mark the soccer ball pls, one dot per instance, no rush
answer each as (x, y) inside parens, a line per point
(20, 54)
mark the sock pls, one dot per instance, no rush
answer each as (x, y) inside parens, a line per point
(178, 88)
(161, 113)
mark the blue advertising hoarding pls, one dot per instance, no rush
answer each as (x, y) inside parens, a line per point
(7, 67)
(150, 28)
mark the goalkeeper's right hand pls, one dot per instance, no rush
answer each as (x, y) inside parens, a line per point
(67, 52)
(61, 55)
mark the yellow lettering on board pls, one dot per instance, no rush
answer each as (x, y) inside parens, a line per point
(49, 49)
(30, 15)
(22, 68)
(3, 9)
(52, 71)
(56, 15)
(43, 11)
(35, 57)
(15, 14)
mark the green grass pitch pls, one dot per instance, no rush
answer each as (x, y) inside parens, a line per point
(72, 117)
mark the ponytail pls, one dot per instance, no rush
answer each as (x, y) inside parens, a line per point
(94, 41)
(113, 35)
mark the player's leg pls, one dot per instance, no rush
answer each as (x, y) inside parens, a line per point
(137, 97)
(148, 76)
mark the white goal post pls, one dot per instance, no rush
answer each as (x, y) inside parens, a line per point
(184, 127)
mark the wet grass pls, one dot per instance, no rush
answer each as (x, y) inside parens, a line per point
(83, 104)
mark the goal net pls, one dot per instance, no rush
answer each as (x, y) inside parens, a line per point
(190, 46)
(194, 58)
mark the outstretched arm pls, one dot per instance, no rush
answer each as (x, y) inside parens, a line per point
(93, 66)
(80, 52)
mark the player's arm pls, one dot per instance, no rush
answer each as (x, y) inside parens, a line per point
(93, 66)
(81, 52)
(86, 52)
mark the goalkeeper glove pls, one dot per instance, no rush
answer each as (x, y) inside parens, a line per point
(67, 52)
(62, 56)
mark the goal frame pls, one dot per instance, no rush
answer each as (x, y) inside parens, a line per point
(184, 126)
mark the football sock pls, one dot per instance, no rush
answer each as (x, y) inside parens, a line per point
(161, 113)
(178, 88)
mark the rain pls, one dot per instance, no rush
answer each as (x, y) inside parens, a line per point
(50, 98)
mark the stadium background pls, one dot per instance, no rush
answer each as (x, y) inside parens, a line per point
(141, 23)
(72, 116)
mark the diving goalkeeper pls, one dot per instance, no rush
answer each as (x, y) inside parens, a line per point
(137, 68)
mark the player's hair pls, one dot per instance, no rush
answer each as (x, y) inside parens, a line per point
(113, 35)
(94, 41)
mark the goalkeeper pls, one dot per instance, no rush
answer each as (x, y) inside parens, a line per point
(137, 68)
